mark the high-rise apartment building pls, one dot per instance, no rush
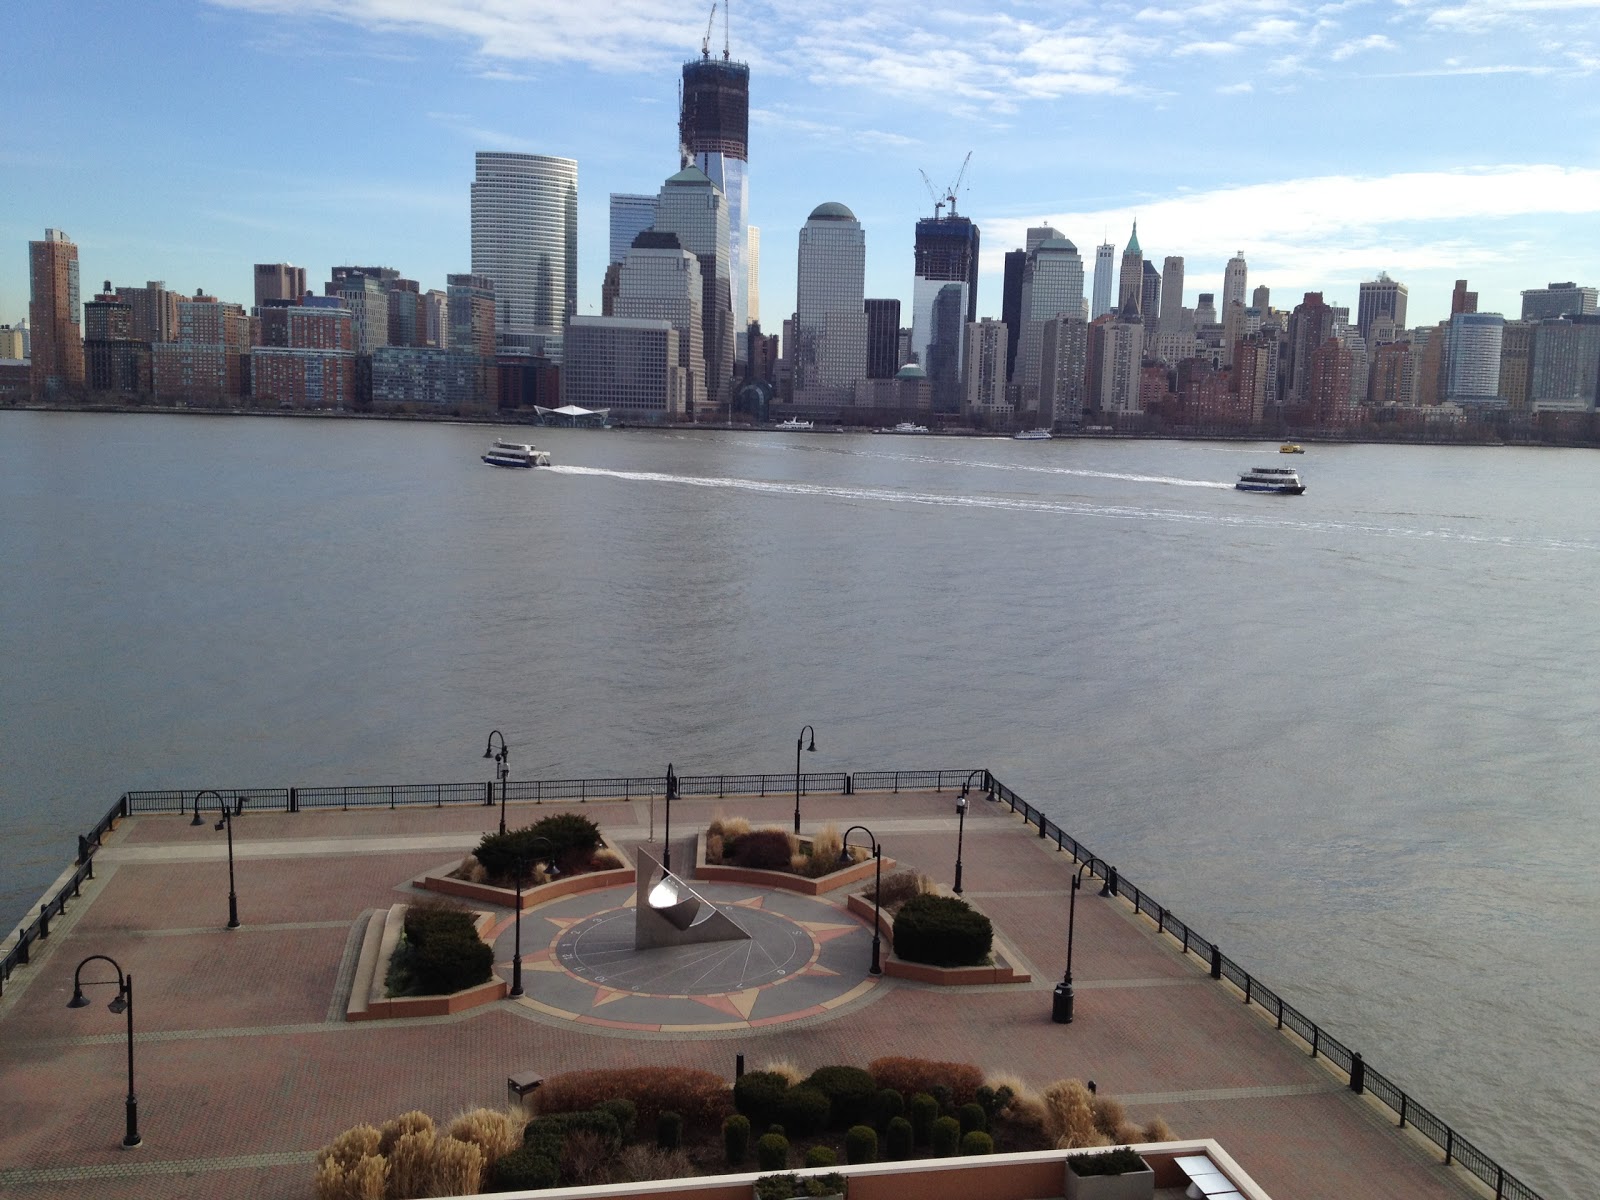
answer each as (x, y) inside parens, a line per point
(1234, 278)
(1558, 300)
(525, 239)
(155, 311)
(1105, 268)
(209, 362)
(1381, 298)
(13, 345)
(631, 215)
(53, 313)
(1461, 300)
(1130, 281)
(114, 361)
(279, 281)
(659, 280)
(984, 395)
(752, 247)
(1063, 367)
(1516, 364)
(1261, 298)
(1566, 364)
(1312, 323)
(365, 292)
(1472, 358)
(883, 338)
(946, 252)
(693, 207)
(472, 304)
(305, 358)
(714, 136)
(436, 308)
(830, 353)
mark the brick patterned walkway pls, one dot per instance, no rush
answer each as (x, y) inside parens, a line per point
(245, 1065)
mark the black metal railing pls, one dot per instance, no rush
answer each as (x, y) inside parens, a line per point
(1406, 1108)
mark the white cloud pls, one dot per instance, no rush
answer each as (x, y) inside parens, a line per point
(1207, 48)
(1373, 41)
(1236, 89)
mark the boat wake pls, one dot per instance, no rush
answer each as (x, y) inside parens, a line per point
(1078, 508)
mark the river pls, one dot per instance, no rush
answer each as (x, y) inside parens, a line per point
(1350, 736)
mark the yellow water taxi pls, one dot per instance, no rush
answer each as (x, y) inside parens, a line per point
(1291, 448)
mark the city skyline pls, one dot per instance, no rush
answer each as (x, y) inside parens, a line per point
(1425, 144)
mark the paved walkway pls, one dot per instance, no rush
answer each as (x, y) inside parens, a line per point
(245, 1065)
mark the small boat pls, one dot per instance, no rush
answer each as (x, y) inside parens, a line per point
(1285, 481)
(795, 423)
(516, 454)
(904, 427)
(1291, 448)
(1032, 435)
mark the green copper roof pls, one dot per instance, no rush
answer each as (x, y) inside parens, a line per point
(690, 175)
(1133, 242)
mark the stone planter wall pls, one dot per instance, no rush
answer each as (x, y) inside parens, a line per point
(483, 893)
(367, 1001)
(1002, 969)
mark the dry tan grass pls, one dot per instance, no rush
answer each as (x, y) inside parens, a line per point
(1026, 1105)
(358, 1180)
(458, 1169)
(1157, 1130)
(714, 847)
(391, 1132)
(1069, 1116)
(826, 845)
(350, 1147)
(786, 1068)
(1109, 1115)
(800, 864)
(605, 860)
(410, 1172)
(493, 1131)
(728, 827)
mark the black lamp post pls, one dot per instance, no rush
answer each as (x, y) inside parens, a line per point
(1061, 1004)
(523, 863)
(961, 824)
(225, 822)
(798, 744)
(672, 794)
(502, 759)
(877, 888)
(122, 1004)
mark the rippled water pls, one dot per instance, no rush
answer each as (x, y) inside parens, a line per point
(1349, 736)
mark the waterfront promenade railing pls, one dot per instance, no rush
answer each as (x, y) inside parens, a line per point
(1362, 1077)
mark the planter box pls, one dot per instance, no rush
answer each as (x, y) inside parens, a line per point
(787, 880)
(1130, 1185)
(367, 1001)
(569, 885)
(1000, 969)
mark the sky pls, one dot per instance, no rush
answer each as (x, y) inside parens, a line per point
(185, 140)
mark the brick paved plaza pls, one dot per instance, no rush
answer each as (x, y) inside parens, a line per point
(245, 1063)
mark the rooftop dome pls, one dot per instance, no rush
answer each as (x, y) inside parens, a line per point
(911, 371)
(832, 211)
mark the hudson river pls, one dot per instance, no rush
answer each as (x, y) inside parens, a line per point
(1352, 736)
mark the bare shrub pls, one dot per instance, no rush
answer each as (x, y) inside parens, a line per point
(1069, 1116)
(900, 887)
(492, 1131)
(361, 1179)
(586, 1159)
(350, 1146)
(640, 1162)
(786, 1068)
(1157, 1130)
(702, 1097)
(908, 1076)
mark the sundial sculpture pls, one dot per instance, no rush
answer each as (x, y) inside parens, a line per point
(668, 912)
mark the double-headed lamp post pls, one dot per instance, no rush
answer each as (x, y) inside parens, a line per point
(502, 759)
(122, 1004)
(800, 742)
(523, 863)
(225, 822)
(877, 888)
(1061, 1004)
(961, 823)
(672, 794)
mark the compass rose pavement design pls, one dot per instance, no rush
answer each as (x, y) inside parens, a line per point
(805, 958)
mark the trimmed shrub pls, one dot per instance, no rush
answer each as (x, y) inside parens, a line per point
(945, 1136)
(433, 914)
(900, 1141)
(804, 1111)
(525, 1170)
(1116, 1162)
(861, 1144)
(546, 1133)
(976, 1141)
(756, 1094)
(850, 1091)
(736, 1139)
(772, 1152)
(942, 931)
(761, 850)
(626, 1113)
(908, 1076)
(886, 1105)
(570, 841)
(450, 961)
(972, 1118)
(821, 1156)
(699, 1096)
(669, 1131)
(924, 1110)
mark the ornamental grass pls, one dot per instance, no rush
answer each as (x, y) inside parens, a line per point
(361, 1179)
(493, 1131)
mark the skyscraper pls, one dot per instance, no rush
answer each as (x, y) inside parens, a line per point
(714, 135)
(830, 311)
(279, 281)
(1011, 305)
(1234, 277)
(1052, 286)
(1380, 298)
(1105, 257)
(659, 280)
(946, 251)
(693, 207)
(1171, 293)
(53, 313)
(883, 338)
(631, 215)
(1558, 300)
(1461, 300)
(1472, 358)
(1130, 281)
(1150, 298)
(525, 239)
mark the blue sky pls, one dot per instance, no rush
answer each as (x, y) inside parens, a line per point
(185, 140)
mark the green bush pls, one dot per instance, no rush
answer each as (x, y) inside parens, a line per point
(435, 914)
(993, 1101)
(761, 850)
(924, 1109)
(821, 1156)
(756, 1095)
(1118, 1162)
(525, 1170)
(569, 840)
(946, 1135)
(850, 1091)
(887, 1104)
(736, 1139)
(976, 1141)
(942, 931)
(861, 1144)
(669, 1131)
(972, 1118)
(625, 1112)
(450, 961)
(772, 1152)
(804, 1111)
(546, 1134)
(900, 1141)
(825, 1185)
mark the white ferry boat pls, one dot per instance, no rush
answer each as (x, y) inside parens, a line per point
(795, 423)
(904, 427)
(516, 454)
(1283, 480)
(1032, 435)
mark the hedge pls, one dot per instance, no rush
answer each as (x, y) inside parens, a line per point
(942, 931)
(850, 1091)
(908, 1076)
(701, 1097)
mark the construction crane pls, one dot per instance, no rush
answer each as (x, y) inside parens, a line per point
(950, 194)
(948, 199)
(705, 42)
(938, 204)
